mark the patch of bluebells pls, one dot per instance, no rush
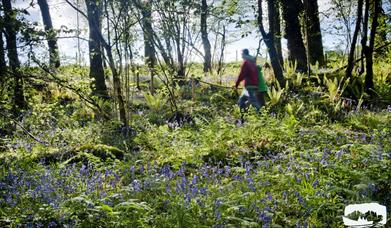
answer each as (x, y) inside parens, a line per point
(52, 186)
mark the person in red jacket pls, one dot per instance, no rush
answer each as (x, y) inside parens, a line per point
(248, 74)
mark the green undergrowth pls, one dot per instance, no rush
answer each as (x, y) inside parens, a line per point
(299, 162)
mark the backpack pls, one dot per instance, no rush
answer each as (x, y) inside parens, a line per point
(262, 87)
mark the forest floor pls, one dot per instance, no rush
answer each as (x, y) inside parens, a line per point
(306, 156)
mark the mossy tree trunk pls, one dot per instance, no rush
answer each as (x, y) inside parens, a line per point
(11, 29)
(315, 44)
(94, 11)
(296, 50)
(204, 36)
(269, 41)
(54, 58)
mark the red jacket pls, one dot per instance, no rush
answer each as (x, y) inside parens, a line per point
(248, 73)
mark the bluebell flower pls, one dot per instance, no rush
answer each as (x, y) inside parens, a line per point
(168, 189)
(136, 185)
(307, 176)
(184, 183)
(194, 191)
(315, 184)
(187, 199)
(299, 198)
(218, 215)
(52, 224)
(178, 188)
(203, 191)
(251, 186)
(181, 171)
(269, 196)
(237, 178)
(132, 170)
(141, 168)
(195, 180)
(248, 168)
(364, 137)
(147, 184)
(217, 203)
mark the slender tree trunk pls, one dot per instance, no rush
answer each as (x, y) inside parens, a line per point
(149, 48)
(221, 58)
(181, 66)
(369, 86)
(350, 66)
(275, 26)
(364, 38)
(95, 48)
(54, 58)
(296, 50)
(94, 24)
(10, 35)
(204, 35)
(2, 53)
(269, 40)
(315, 44)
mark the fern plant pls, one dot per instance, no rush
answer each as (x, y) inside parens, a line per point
(155, 102)
(335, 88)
(275, 95)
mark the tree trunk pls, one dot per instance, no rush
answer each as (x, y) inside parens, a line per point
(296, 50)
(275, 26)
(10, 35)
(269, 40)
(314, 34)
(369, 86)
(95, 48)
(221, 58)
(364, 37)
(204, 35)
(149, 48)
(54, 58)
(181, 65)
(2, 53)
(350, 66)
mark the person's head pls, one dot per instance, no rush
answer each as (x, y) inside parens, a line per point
(245, 52)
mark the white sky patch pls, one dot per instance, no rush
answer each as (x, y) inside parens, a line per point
(64, 15)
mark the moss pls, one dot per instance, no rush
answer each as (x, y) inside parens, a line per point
(55, 155)
(83, 157)
(103, 151)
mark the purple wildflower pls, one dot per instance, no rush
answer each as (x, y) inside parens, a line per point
(195, 180)
(136, 186)
(227, 170)
(315, 184)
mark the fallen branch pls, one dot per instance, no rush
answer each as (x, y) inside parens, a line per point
(25, 130)
(63, 84)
